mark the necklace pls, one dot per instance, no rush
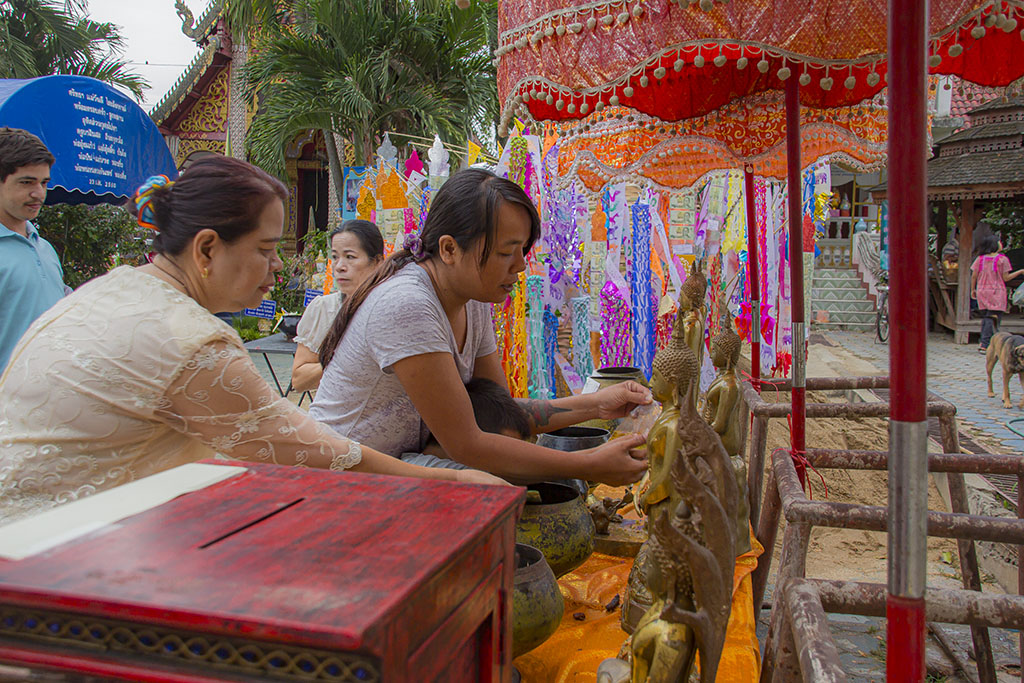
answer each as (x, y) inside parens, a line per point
(171, 275)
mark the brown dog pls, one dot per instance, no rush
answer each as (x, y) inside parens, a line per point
(1008, 349)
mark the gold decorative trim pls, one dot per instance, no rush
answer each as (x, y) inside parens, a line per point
(73, 632)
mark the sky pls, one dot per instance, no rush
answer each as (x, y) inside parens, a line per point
(154, 43)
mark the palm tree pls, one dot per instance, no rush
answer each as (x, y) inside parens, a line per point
(43, 37)
(360, 68)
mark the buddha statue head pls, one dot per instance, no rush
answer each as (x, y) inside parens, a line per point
(692, 292)
(674, 368)
(726, 346)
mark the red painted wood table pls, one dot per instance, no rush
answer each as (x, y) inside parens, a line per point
(280, 573)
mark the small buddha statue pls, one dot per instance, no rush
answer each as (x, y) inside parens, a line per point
(692, 311)
(674, 370)
(692, 559)
(722, 410)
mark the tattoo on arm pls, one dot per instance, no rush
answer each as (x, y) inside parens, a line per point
(540, 412)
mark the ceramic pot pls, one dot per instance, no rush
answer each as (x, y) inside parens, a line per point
(289, 325)
(537, 605)
(606, 377)
(559, 525)
(571, 439)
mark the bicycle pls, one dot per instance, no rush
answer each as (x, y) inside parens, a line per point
(882, 314)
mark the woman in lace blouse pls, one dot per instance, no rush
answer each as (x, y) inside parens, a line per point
(132, 374)
(357, 247)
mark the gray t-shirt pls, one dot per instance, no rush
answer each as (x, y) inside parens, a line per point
(359, 395)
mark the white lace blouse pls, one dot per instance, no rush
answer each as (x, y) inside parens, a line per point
(127, 377)
(317, 319)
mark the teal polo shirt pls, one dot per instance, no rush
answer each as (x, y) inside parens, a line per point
(31, 280)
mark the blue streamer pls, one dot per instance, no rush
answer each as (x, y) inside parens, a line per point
(642, 317)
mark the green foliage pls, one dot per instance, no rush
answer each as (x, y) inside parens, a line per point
(294, 278)
(44, 37)
(360, 68)
(1008, 219)
(247, 327)
(91, 240)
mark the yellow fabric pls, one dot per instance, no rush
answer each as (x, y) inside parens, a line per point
(577, 648)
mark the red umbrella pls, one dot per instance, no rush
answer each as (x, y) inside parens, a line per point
(562, 60)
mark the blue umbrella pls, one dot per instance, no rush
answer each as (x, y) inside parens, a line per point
(105, 144)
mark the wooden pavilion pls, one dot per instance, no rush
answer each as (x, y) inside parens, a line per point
(982, 162)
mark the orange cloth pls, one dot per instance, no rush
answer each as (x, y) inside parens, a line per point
(577, 648)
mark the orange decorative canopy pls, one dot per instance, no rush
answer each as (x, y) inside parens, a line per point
(617, 144)
(563, 59)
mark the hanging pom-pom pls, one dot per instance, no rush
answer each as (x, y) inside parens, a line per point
(826, 83)
(805, 78)
(678, 65)
(978, 32)
(873, 79)
(762, 66)
(741, 63)
(850, 82)
(698, 61)
(934, 61)
(784, 73)
(720, 60)
(955, 50)
(627, 91)
(659, 73)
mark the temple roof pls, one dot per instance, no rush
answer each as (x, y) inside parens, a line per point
(983, 161)
(196, 73)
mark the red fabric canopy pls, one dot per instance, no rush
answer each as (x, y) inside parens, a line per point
(564, 59)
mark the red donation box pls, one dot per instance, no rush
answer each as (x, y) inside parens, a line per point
(277, 574)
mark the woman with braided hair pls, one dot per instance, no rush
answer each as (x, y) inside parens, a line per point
(132, 374)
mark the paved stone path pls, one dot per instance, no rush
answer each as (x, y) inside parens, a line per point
(957, 374)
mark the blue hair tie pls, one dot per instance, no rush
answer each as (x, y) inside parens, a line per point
(143, 199)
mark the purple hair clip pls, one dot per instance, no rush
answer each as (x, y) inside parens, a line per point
(415, 245)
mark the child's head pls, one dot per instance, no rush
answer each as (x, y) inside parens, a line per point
(989, 245)
(495, 409)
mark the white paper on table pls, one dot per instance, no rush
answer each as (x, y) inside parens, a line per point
(39, 533)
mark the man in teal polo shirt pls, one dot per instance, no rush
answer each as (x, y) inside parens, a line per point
(31, 279)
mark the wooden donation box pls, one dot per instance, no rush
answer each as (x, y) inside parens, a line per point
(271, 574)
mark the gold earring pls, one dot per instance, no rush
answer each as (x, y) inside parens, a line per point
(206, 273)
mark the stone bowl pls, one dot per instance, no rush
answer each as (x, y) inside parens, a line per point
(537, 605)
(559, 525)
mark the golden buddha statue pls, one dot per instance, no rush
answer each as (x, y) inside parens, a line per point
(692, 312)
(723, 411)
(674, 370)
(692, 559)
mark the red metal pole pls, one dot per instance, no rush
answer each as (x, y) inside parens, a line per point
(754, 275)
(796, 274)
(908, 457)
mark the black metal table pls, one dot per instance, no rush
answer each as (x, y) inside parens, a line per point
(276, 344)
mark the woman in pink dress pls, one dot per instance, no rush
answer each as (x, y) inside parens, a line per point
(989, 274)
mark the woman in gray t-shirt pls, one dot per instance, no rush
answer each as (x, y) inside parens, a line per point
(406, 342)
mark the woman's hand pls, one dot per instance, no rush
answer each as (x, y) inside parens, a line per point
(620, 399)
(619, 462)
(478, 477)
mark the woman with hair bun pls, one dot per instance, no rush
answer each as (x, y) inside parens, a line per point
(409, 339)
(357, 247)
(133, 374)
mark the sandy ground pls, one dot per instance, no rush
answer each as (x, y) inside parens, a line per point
(852, 554)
